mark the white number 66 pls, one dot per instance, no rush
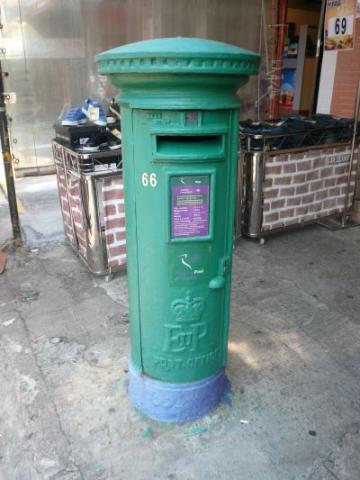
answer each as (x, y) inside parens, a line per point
(149, 179)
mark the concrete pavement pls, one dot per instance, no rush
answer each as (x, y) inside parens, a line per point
(39, 211)
(294, 361)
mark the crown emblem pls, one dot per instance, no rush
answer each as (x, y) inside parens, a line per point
(189, 309)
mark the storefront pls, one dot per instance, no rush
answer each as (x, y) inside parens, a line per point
(300, 162)
(315, 64)
(340, 66)
(300, 58)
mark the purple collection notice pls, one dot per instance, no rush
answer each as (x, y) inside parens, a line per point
(190, 207)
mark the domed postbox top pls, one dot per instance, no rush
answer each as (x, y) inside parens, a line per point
(178, 55)
(167, 73)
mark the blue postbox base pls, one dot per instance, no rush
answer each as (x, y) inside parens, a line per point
(176, 402)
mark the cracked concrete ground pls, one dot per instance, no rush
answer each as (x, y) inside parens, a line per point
(294, 358)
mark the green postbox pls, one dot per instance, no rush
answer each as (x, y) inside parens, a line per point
(180, 116)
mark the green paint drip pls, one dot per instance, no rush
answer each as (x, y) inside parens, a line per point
(148, 432)
(196, 429)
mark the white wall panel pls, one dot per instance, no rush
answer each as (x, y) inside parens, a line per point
(327, 78)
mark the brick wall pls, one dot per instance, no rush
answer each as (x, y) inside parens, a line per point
(111, 205)
(70, 203)
(71, 209)
(64, 205)
(347, 76)
(114, 219)
(77, 214)
(300, 187)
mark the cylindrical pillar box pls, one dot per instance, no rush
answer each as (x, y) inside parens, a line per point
(179, 115)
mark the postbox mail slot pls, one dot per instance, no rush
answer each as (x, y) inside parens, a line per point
(194, 146)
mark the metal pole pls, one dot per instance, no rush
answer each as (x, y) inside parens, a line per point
(278, 60)
(7, 157)
(318, 58)
(353, 144)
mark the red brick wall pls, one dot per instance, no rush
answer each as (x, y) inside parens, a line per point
(64, 205)
(114, 218)
(300, 187)
(71, 209)
(77, 214)
(112, 212)
(347, 76)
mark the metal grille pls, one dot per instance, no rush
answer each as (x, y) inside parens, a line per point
(312, 137)
(107, 161)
